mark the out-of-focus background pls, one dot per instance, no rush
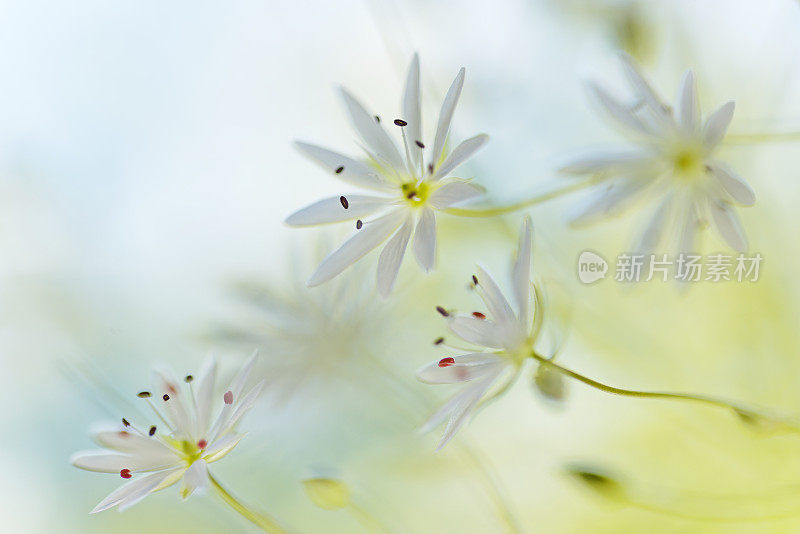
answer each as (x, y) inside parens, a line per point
(145, 171)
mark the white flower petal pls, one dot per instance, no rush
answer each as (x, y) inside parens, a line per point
(466, 367)
(642, 87)
(195, 477)
(135, 490)
(617, 110)
(459, 155)
(734, 185)
(240, 380)
(105, 462)
(353, 171)
(331, 210)
(609, 201)
(446, 116)
(717, 124)
(482, 332)
(371, 132)
(425, 239)
(411, 112)
(204, 394)
(128, 442)
(227, 424)
(689, 230)
(465, 406)
(453, 193)
(392, 256)
(606, 161)
(729, 226)
(497, 304)
(687, 105)
(521, 272)
(655, 228)
(371, 235)
(221, 447)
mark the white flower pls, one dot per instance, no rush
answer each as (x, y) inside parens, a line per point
(182, 450)
(505, 336)
(413, 185)
(674, 162)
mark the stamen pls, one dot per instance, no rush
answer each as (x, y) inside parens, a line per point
(152, 431)
(411, 194)
(339, 170)
(158, 413)
(446, 362)
(188, 379)
(359, 224)
(228, 397)
(419, 144)
(377, 119)
(442, 311)
(165, 397)
(125, 473)
(345, 203)
(202, 444)
(143, 394)
(478, 315)
(438, 341)
(125, 422)
(400, 122)
(430, 168)
(474, 279)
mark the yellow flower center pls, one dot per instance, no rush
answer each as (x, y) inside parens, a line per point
(416, 193)
(688, 162)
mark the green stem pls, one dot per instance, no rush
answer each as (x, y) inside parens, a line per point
(755, 138)
(527, 203)
(369, 521)
(261, 521)
(746, 413)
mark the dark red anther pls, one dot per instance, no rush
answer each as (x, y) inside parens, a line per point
(125, 473)
(446, 362)
(202, 444)
(442, 311)
(439, 341)
(228, 397)
(478, 315)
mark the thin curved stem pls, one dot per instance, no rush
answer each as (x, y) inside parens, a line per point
(369, 521)
(527, 203)
(745, 412)
(764, 137)
(263, 522)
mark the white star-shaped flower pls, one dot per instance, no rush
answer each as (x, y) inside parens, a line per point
(413, 183)
(675, 162)
(504, 335)
(180, 445)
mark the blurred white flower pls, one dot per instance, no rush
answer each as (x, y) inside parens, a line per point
(674, 162)
(506, 339)
(411, 190)
(182, 450)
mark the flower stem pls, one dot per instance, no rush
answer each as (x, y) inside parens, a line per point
(768, 137)
(527, 203)
(745, 413)
(261, 521)
(369, 521)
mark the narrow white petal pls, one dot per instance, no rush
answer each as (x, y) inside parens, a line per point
(454, 192)
(392, 256)
(425, 240)
(608, 201)
(481, 332)
(717, 124)
(204, 394)
(521, 272)
(617, 110)
(642, 87)
(497, 304)
(729, 226)
(411, 112)
(370, 236)
(221, 447)
(174, 407)
(606, 161)
(655, 228)
(464, 408)
(128, 442)
(459, 155)
(465, 368)
(371, 132)
(226, 423)
(134, 491)
(689, 230)
(352, 171)
(446, 116)
(104, 462)
(331, 210)
(240, 380)
(734, 185)
(687, 105)
(195, 477)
